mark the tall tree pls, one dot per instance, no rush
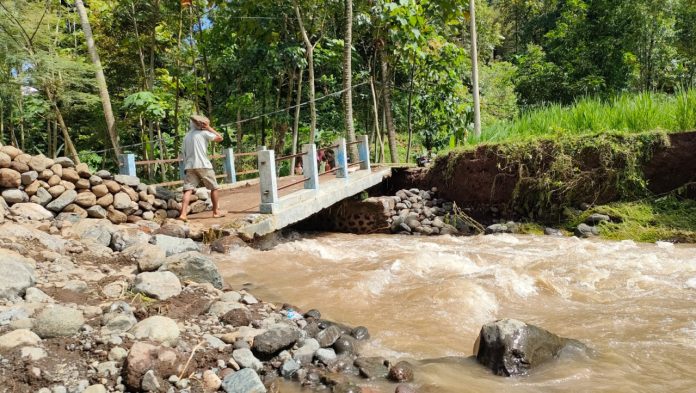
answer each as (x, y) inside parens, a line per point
(348, 79)
(309, 48)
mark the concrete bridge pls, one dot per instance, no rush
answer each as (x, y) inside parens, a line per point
(265, 204)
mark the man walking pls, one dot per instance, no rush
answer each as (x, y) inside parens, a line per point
(197, 167)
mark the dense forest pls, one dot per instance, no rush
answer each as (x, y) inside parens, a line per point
(102, 77)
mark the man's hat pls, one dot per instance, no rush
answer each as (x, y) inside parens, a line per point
(199, 118)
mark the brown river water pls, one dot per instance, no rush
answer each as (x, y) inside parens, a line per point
(425, 299)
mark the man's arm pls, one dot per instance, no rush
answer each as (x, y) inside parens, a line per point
(218, 137)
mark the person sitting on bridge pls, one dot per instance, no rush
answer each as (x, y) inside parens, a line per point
(197, 167)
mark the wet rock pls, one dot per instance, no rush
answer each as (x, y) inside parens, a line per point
(553, 232)
(157, 285)
(58, 321)
(597, 218)
(344, 345)
(372, 367)
(228, 243)
(326, 356)
(281, 337)
(16, 274)
(305, 353)
(401, 372)
(174, 245)
(289, 368)
(237, 317)
(243, 381)
(511, 347)
(404, 389)
(360, 333)
(158, 329)
(313, 314)
(193, 266)
(328, 336)
(246, 359)
(18, 338)
(346, 387)
(509, 227)
(585, 231)
(144, 357)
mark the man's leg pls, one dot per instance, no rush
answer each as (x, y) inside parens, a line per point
(214, 197)
(185, 204)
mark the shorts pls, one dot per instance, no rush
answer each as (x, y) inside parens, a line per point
(194, 177)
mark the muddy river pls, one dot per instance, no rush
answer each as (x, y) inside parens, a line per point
(425, 299)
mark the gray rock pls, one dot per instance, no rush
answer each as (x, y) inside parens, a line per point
(585, 231)
(148, 256)
(511, 347)
(16, 274)
(326, 356)
(509, 227)
(328, 336)
(42, 197)
(96, 211)
(124, 238)
(157, 285)
(35, 295)
(58, 321)
(372, 367)
(98, 230)
(32, 354)
(95, 180)
(17, 338)
(15, 196)
(65, 162)
(150, 382)
(104, 174)
(597, 218)
(174, 245)
(246, 359)
(401, 372)
(553, 232)
(122, 201)
(131, 181)
(62, 201)
(31, 211)
(158, 329)
(118, 319)
(193, 266)
(29, 177)
(305, 353)
(289, 368)
(243, 381)
(276, 339)
(98, 388)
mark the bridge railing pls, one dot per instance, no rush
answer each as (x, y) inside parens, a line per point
(271, 202)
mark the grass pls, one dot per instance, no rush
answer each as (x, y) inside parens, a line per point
(663, 219)
(625, 113)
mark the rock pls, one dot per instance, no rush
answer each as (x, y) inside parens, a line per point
(124, 238)
(40, 163)
(105, 201)
(372, 367)
(148, 256)
(246, 359)
(328, 337)
(9, 178)
(158, 329)
(58, 321)
(585, 231)
(98, 388)
(243, 381)
(75, 210)
(144, 357)
(305, 353)
(193, 266)
(211, 382)
(104, 174)
(10, 151)
(173, 230)
(5, 160)
(35, 295)
(122, 201)
(325, 355)
(344, 345)
(289, 368)
(511, 347)
(157, 285)
(401, 372)
(56, 191)
(83, 170)
(82, 184)
(32, 354)
(597, 218)
(66, 198)
(98, 230)
(18, 338)
(16, 274)
(96, 212)
(117, 354)
(173, 245)
(267, 344)
(41, 197)
(112, 186)
(360, 333)
(65, 162)
(15, 196)
(116, 216)
(19, 166)
(237, 317)
(404, 389)
(57, 170)
(150, 382)
(553, 232)
(29, 177)
(198, 207)
(86, 199)
(510, 227)
(70, 174)
(53, 180)
(131, 181)
(228, 243)
(118, 319)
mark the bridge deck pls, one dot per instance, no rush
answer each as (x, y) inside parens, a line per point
(242, 200)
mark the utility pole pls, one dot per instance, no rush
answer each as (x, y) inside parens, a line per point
(474, 70)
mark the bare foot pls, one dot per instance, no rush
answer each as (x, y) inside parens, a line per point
(183, 218)
(219, 213)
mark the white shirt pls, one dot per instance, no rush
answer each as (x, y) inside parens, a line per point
(195, 149)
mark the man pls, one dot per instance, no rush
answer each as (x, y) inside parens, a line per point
(197, 167)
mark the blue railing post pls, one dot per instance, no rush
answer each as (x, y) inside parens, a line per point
(182, 168)
(364, 152)
(127, 164)
(268, 182)
(341, 159)
(229, 166)
(310, 170)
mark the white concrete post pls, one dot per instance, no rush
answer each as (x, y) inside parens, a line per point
(268, 182)
(182, 168)
(341, 159)
(310, 169)
(364, 152)
(229, 166)
(126, 164)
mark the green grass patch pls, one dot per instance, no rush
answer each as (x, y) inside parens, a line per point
(664, 219)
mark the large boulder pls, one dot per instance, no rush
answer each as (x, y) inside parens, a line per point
(274, 340)
(36, 237)
(148, 256)
(98, 230)
(10, 178)
(58, 321)
(66, 198)
(16, 274)
(174, 245)
(193, 266)
(31, 211)
(157, 285)
(243, 381)
(144, 357)
(511, 347)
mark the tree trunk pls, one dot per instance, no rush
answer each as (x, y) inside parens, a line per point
(409, 112)
(240, 131)
(280, 141)
(69, 147)
(176, 80)
(206, 70)
(101, 80)
(296, 123)
(379, 149)
(348, 80)
(386, 97)
(310, 66)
